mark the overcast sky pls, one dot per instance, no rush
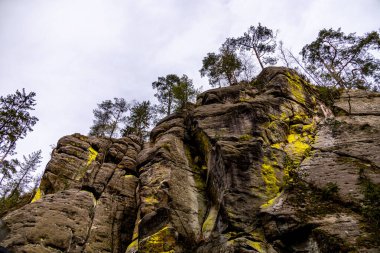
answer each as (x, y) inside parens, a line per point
(77, 53)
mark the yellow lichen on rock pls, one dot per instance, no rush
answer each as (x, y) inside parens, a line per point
(268, 175)
(296, 87)
(133, 247)
(257, 246)
(256, 241)
(310, 128)
(163, 241)
(91, 156)
(245, 137)
(297, 146)
(37, 196)
(278, 145)
(150, 200)
(270, 202)
(258, 235)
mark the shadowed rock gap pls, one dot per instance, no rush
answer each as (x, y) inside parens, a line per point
(262, 168)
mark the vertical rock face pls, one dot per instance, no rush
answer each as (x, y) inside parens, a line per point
(250, 168)
(86, 201)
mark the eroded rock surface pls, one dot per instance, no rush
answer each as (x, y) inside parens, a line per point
(86, 201)
(262, 167)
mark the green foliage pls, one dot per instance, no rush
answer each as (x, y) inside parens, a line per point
(291, 176)
(173, 93)
(260, 41)
(183, 92)
(371, 209)
(23, 176)
(140, 118)
(221, 69)
(164, 94)
(328, 242)
(15, 202)
(15, 123)
(344, 61)
(335, 126)
(328, 94)
(108, 116)
(329, 191)
(371, 201)
(245, 137)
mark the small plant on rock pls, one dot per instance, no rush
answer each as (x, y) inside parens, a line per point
(329, 191)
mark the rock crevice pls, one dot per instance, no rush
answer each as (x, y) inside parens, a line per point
(250, 168)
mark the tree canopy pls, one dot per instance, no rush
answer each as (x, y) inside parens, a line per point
(20, 181)
(173, 93)
(15, 122)
(183, 92)
(138, 122)
(164, 94)
(228, 67)
(222, 68)
(260, 41)
(108, 117)
(342, 60)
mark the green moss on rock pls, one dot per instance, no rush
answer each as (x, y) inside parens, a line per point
(209, 223)
(245, 137)
(296, 87)
(163, 241)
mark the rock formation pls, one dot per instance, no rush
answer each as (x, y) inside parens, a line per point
(262, 167)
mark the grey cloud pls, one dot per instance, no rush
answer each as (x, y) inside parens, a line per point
(74, 54)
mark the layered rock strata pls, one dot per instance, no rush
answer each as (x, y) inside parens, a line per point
(86, 201)
(261, 167)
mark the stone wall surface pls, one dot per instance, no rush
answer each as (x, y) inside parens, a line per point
(261, 167)
(86, 200)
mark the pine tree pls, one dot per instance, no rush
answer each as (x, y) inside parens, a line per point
(184, 92)
(221, 69)
(20, 182)
(164, 94)
(108, 117)
(140, 118)
(344, 61)
(15, 123)
(260, 41)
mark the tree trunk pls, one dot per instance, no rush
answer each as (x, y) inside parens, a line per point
(169, 101)
(334, 75)
(258, 58)
(115, 124)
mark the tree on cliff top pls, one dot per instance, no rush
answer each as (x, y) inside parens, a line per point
(173, 93)
(164, 94)
(140, 118)
(108, 117)
(345, 61)
(183, 92)
(260, 41)
(222, 68)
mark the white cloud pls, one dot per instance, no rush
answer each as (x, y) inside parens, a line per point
(76, 53)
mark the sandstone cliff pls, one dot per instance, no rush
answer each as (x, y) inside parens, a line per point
(250, 168)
